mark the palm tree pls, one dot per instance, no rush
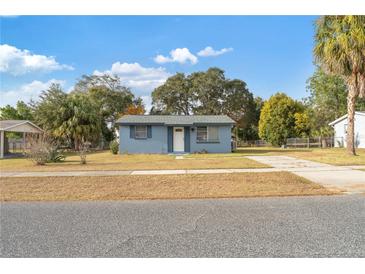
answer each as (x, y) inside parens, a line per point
(81, 122)
(340, 50)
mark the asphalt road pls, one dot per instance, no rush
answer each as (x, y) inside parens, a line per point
(255, 227)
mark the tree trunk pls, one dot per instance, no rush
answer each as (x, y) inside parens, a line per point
(350, 138)
(77, 145)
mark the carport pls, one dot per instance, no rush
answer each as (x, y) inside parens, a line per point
(21, 126)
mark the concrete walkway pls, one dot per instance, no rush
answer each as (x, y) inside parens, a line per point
(132, 172)
(340, 177)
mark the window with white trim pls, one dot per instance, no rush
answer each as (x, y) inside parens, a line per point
(207, 134)
(140, 132)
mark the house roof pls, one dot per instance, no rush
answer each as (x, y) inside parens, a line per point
(174, 119)
(10, 124)
(362, 113)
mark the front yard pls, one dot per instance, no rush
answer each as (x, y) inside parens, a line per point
(167, 186)
(106, 161)
(158, 187)
(333, 156)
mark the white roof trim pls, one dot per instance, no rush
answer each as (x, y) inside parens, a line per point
(344, 117)
(22, 123)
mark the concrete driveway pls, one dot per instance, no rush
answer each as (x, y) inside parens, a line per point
(330, 176)
(332, 226)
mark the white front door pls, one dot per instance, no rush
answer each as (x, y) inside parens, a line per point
(179, 139)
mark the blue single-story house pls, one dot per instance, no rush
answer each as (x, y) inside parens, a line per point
(174, 133)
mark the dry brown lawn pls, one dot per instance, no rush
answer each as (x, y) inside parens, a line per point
(334, 156)
(158, 187)
(106, 161)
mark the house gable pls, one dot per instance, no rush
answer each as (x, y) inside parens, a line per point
(361, 113)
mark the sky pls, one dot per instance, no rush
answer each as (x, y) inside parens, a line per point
(269, 53)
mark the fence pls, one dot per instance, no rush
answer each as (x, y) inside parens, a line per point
(319, 142)
(16, 145)
(252, 143)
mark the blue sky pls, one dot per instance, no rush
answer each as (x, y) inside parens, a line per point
(270, 53)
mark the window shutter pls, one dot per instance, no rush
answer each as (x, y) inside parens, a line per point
(131, 132)
(170, 139)
(149, 131)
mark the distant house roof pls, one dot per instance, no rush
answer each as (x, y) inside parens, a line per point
(345, 117)
(13, 125)
(187, 120)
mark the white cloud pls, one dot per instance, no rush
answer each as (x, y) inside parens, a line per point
(147, 100)
(160, 59)
(134, 75)
(209, 51)
(26, 92)
(18, 62)
(179, 55)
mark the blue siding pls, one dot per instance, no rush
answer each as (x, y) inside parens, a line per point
(156, 144)
(224, 145)
(161, 141)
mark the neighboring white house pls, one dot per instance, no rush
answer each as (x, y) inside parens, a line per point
(340, 127)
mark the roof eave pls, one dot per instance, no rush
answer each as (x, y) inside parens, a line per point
(172, 124)
(344, 117)
(215, 124)
(338, 120)
(138, 123)
(26, 122)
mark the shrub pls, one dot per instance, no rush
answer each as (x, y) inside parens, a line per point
(38, 154)
(43, 150)
(55, 156)
(83, 149)
(277, 119)
(203, 151)
(114, 147)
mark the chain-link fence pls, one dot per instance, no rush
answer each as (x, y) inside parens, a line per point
(320, 142)
(311, 142)
(16, 145)
(252, 143)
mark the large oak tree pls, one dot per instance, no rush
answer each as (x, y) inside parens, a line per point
(205, 93)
